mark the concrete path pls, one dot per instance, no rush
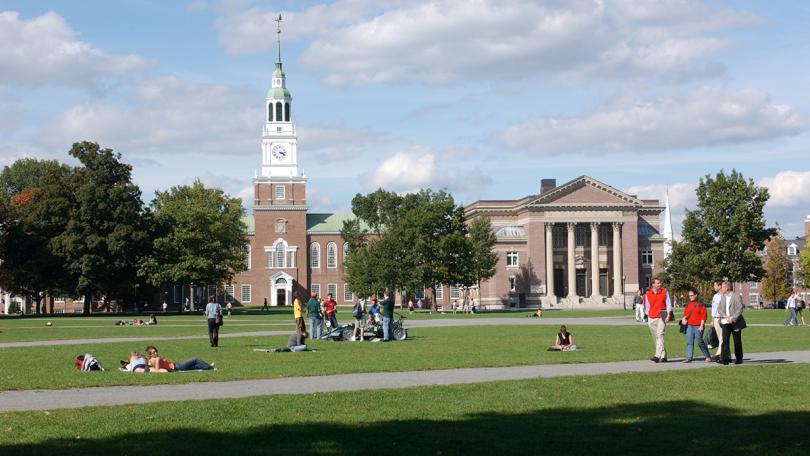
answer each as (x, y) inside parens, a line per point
(437, 323)
(118, 395)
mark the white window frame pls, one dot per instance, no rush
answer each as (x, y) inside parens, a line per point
(753, 298)
(644, 254)
(331, 288)
(512, 283)
(347, 293)
(270, 258)
(791, 250)
(315, 288)
(229, 290)
(753, 285)
(331, 256)
(438, 292)
(280, 251)
(315, 257)
(455, 292)
(512, 259)
(283, 192)
(242, 289)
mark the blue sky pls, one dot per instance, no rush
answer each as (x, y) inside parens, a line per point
(483, 98)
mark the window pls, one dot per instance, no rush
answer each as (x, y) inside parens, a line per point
(345, 251)
(281, 226)
(753, 285)
(315, 288)
(511, 259)
(347, 293)
(278, 112)
(332, 288)
(792, 249)
(753, 298)
(331, 255)
(280, 192)
(646, 258)
(439, 292)
(419, 293)
(286, 112)
(315, 255)
(290, 258)
(245, 293)
(560, 237)
(647, 282)
(270, 112)
(246, 249)
(604, 236)
(229, 293)
(455, 292)
(280, 255)
(269, 258)
(581, 236)
(512, 283)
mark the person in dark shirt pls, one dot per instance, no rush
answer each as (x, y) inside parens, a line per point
(564, 340)
(387, 316)
(315, 316)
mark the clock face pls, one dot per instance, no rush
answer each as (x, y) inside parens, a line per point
(279, 152)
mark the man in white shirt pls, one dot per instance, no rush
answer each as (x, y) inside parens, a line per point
(791, 307)
(716, 299)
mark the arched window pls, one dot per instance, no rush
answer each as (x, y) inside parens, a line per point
(345, 252)
(287, 112)
(315, 255)
(331, 255)
(270, 112)
(280, 255)
(278, 112)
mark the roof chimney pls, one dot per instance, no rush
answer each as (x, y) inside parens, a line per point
(551, 184)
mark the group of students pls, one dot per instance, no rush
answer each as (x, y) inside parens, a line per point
(795, 307)
(320, 311)
(150, 361)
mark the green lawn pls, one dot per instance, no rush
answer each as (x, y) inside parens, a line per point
(667, 413)
(427, 348)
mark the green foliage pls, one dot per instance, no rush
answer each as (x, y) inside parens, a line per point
(722, 236)
(200, 237)
(482, 242)
(107, 228)
(804, 265)
(29, 173)
(419, 240)
(775, 284)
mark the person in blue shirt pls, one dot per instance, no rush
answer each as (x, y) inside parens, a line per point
(373, 311)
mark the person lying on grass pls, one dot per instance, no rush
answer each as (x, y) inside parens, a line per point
(161, 365)
(137, 363)
(564, 341)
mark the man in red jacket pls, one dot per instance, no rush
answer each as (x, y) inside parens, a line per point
(330, 308)
(658, 307)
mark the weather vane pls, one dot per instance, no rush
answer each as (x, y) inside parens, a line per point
(278, 26)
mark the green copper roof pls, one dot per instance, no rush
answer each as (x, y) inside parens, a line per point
(279, 93)
(328, 223)
(248, 221)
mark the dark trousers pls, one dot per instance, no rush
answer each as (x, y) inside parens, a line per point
(725, 350)
(213, 332)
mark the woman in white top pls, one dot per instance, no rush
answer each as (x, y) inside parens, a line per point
(213, 312)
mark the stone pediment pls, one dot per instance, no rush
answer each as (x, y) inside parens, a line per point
(585, 191)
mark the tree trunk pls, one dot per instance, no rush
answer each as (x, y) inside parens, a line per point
(432, 295)
(50, 305)
(88, 303)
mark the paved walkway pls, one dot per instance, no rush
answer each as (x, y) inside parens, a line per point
(437, 323)
(118, 395)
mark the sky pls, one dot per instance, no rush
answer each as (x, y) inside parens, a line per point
(483, 98)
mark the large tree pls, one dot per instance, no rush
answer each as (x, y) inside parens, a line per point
(722, 235)
(482, 243)
(200, 236)
(804, 264)
(37, 198)
(418, 240)
(107, 230)
(775, 261)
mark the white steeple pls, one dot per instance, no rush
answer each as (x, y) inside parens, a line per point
(279, 139)
(668, 237)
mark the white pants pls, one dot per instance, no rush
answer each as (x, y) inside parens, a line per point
(639, 312)
(657, 328)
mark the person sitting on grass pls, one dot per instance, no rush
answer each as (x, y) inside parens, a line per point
(161, 365)
(564, 341)
(297, 342)
(373, 312)
(152, 319)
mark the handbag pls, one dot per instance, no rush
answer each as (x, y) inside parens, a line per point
(218, 319)
(681, 325)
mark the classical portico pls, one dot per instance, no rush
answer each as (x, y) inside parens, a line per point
(281, 286)
(583, 245)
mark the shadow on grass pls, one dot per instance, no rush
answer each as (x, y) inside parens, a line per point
(675, 427)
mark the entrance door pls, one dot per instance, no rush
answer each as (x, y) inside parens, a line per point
(582, 283)
(559, 283)
(281, 297)
(603, 282)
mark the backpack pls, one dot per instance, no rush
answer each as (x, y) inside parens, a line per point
(87, 363)
(357, 310)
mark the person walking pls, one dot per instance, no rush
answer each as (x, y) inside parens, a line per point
(315, 315)
(213, 312)
(358, 312)
(387, 316)
(657, 306)
(229, 307)
(791, 307)
(638, 303)
(694, 317)
(731, 309)
(330, 309)
(264, 306)
(298, 314)
(716, 325)
(800, 305)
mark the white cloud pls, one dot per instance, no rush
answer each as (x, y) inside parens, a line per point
(452, 41)
(417, 168)
(45, 50)
(703, 117)
(165, 115)
(788, 189)
(337, 141)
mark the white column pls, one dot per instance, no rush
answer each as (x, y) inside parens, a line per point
(550, 260)
(617, 259)
(595, 260)
(572, 276)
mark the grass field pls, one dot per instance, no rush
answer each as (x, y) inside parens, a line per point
(753, 410)
(51, 367)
